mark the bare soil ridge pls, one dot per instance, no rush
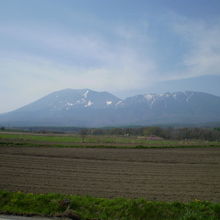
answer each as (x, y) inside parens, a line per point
(154, 174)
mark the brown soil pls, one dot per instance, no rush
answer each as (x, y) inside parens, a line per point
(154, 174)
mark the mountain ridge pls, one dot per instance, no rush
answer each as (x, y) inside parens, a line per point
(89, 108)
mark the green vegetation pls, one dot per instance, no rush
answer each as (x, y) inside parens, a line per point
(49, 138)
(99, 208)
(168, 133)
(83, 140)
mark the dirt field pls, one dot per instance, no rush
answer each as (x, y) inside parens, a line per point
(155, 174)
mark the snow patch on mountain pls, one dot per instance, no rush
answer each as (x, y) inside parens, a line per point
(89, 103)
(118, 103)
(151, 98)
(108, 102)
(69, 104)
(175, 96)
(86, 94)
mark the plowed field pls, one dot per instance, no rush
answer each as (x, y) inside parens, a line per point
(154, 174)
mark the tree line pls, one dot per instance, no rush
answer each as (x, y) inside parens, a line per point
(210, 134)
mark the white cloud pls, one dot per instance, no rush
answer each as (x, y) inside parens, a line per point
(109, 66)
(118, 63)
(203, 54)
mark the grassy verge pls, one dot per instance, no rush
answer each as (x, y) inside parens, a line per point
(86, 207)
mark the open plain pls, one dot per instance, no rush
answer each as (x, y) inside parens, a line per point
(169, 174)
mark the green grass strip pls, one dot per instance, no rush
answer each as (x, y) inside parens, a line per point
(87, 207)
(91, 139)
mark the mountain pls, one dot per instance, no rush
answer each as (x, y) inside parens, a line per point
(88, 108)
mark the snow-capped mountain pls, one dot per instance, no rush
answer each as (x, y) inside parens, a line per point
(69, 99)
(89, 108)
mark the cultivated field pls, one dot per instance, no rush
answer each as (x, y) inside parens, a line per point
(168, 174)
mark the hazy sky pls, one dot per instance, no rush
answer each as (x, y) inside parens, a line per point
(125, 47)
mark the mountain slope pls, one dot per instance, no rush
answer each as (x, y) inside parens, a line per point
(179, 107)
(67, 107)
(88, 108)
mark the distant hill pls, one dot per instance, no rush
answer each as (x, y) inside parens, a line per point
(88, 108)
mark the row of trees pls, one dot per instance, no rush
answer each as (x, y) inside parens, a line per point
(166, 133)
(210, 134)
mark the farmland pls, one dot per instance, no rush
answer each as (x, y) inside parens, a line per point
(155, 174)
(110, 167)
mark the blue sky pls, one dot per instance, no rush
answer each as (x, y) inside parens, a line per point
(125, 47)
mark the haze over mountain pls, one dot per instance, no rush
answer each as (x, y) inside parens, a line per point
(127, 47)
(88, 108)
